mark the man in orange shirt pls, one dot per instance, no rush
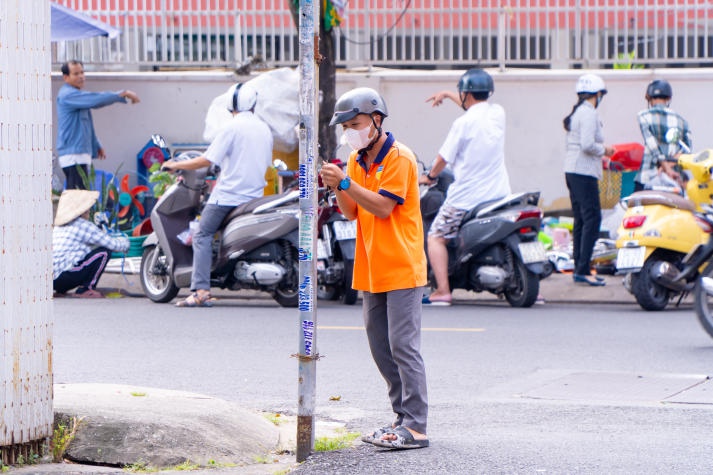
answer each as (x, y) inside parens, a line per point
(380, 190)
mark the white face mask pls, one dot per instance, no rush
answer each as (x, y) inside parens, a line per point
(358, 139)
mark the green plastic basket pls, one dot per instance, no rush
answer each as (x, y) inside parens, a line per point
(135, 248)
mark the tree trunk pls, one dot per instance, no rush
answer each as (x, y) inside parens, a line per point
(327, 86)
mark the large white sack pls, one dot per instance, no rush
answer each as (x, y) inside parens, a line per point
(277, 105)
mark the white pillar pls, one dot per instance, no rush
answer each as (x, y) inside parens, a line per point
(26, 314)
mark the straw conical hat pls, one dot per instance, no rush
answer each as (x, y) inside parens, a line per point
(73, 203)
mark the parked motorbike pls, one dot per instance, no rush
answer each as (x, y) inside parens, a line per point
(256, 247)
(699, 263)
(496, 249)
(659, 237)
(336, 245)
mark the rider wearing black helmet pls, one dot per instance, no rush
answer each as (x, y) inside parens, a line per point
(475, 151)
(654, 123)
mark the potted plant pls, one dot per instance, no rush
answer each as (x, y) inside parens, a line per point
(161, 180)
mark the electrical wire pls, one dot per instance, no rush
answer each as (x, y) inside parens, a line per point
(386, 33)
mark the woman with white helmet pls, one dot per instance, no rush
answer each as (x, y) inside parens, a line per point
(586, 153)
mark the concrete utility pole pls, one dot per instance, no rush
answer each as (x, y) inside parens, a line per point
(309, 113)
(25, 229)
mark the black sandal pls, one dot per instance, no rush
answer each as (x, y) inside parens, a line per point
(376, 435)
(404, 440)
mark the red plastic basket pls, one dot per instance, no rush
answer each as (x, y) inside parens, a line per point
(629, 155)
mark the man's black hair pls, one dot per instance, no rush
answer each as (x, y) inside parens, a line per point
(480, 96)
(65, 66)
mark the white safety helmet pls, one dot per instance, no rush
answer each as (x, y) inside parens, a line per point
(590, 84)
(243, 98)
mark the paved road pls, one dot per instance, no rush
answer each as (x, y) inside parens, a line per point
(557, 388)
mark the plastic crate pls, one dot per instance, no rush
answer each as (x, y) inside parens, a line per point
(627, 183)
(135, 247)
(629, 155)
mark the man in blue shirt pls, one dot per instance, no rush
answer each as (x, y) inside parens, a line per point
(77, 142)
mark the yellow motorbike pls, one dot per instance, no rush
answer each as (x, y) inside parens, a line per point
(658, 236)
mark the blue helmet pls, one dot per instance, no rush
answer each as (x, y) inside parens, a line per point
(476, 80)
(659, 88)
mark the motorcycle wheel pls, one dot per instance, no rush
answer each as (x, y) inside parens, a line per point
(349, 296)
(327, 292)
(157, 282)
(649, 295)
(703, 302)
(286, 293)
(524, 293)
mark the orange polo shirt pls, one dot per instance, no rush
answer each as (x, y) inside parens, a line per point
(389, 252)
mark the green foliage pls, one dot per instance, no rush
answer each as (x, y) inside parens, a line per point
(326, 444)
(264, 459)
(626, 61)
(274, 417)
(187, 465)
(141, 467)
(161, 179)
(62, 436)
(105, 204)
(32, 459)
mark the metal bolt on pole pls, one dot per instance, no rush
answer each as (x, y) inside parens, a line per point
(309, 114)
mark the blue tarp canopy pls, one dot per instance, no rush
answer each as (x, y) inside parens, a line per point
(68, 24)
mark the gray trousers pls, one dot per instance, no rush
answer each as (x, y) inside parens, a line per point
(393, 328)
(211, 217)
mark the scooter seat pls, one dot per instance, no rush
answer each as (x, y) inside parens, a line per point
(249, 207)
(474, 212)
(653, 197)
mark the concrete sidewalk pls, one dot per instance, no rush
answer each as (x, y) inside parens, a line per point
(557, 288)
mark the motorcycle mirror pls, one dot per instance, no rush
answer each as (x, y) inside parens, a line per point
(158, 140)
(672, 135)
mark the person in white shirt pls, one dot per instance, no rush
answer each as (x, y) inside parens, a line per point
(243, 150)
(475, 151)
(585, 157)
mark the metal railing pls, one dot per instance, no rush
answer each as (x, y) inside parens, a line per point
(403, 33)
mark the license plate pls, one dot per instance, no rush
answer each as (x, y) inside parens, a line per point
(344, 230)
(322, 250)
(532, 252)
(630, 258)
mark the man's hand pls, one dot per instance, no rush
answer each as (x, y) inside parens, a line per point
(424, 180)
(101, 154)
(331, 175)
(169, 165)
(131, 96)
(669, 169)
(438, 98)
